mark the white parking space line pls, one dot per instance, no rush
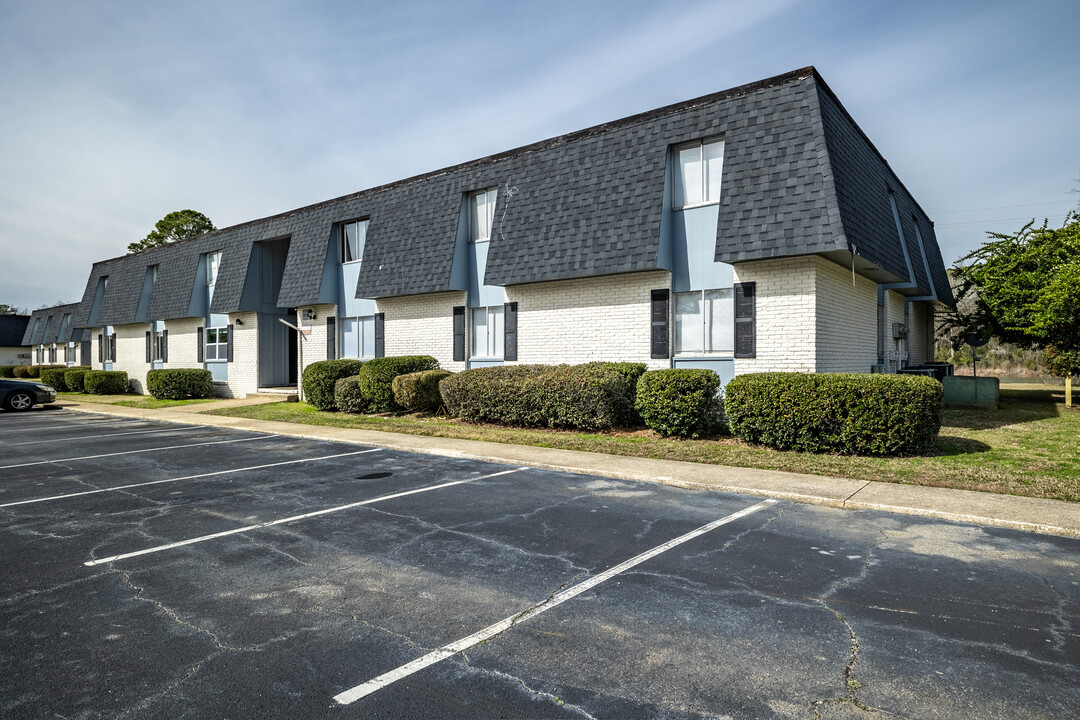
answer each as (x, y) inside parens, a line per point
(105, 435)
(186, 477)
(133, 452)
(294, 518)
(364, 689)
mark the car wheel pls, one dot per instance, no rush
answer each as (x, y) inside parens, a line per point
(19, 401)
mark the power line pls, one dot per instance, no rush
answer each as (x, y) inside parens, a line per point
(1002, 207)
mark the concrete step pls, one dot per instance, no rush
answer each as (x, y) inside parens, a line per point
(288, 394)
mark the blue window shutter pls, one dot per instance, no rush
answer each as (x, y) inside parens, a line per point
(164, 346)
(380, 347)
(745, 320)
(100, 348)
(459, 333)
(510, 331)
(331, 338)
(148, 341)
(228, 345)
(660, 346)
(199, 352)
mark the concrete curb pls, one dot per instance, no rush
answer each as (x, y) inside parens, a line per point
(1051, 517)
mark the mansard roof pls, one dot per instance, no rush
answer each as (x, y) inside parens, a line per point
(799, 178)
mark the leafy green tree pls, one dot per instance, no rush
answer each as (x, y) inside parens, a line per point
(178, 225)
(11, 310)
(1024, 289)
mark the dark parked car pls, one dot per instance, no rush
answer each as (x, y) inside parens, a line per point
(21, 395)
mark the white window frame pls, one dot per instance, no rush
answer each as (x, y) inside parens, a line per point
(70, 354)
(156, 341)
(221, 348)
(494, 339)
(706, 327)
(489, 196)
(362, 352)
(361, 235)
(677, 175)
(213, 268)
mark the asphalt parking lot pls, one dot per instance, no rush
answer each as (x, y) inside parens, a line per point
(163, 570)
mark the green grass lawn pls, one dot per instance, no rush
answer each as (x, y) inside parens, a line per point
(1029, 446)
(129, 400)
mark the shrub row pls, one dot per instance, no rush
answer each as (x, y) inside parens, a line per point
(835, 412)
(419, 391)
(7, 371)
(56, 375)
(681, 402)
(371, 390)
(28, 371)
(105, 382)
(74, 379)
(180, 383)
(320, 377)
(594, 396)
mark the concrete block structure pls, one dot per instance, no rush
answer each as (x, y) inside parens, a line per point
(755, 229)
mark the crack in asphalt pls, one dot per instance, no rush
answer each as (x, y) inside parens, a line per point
(851, 683)
(145, 702)
(537, 693)
(435, 528)
(125, 575)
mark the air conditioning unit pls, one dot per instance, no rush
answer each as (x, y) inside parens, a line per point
(899, 330)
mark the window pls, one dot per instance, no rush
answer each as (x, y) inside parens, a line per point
(217, 344)
(698, 169)
(70, 354)
(358, 337)
(705, 321)
(487, 332)
(157, 346)
(213, 264)
(353, 236)
(52, 353)
(482, 214)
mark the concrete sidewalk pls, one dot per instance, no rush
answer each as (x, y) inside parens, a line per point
(1054, 517)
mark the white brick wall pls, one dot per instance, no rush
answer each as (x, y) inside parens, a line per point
(785, 314)
(422, 325)
(314, 345)
(579, 321)
(183, 342)
(244, 369)
(846, 320)
(131, 354)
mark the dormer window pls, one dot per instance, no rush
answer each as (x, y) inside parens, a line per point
(353, 236)
(698, 167)
(481, 214)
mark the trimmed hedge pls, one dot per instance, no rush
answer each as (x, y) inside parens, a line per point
(54, 376)
(180, 383)
(74, 379)
(836, 412)
(419, 391)
(7, 371)
(682, 402)
(375, 380)
(320, 378)
(26, 371)
(347, 397)
(105, 382)
(594, 396)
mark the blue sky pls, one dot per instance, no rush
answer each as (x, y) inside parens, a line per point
(116, 113)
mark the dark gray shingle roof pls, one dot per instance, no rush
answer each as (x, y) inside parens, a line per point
(799, 178)
(54, 318)
(12, 329)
